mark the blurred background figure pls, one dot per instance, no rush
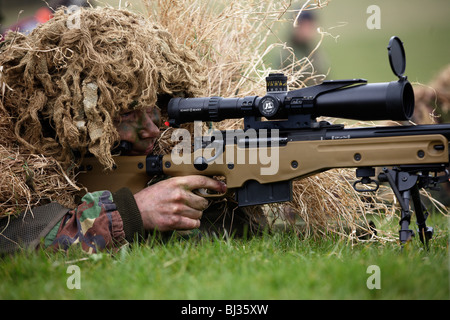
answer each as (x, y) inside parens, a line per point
(433, 101)
(303, 38)
(41, 15)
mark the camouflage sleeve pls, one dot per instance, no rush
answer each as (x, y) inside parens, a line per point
(96, 224)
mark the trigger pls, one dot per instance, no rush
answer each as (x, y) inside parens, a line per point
(206, 193)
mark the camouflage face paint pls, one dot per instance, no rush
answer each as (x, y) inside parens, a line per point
(141, 128)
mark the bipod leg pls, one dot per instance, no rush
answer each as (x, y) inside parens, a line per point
(401, 184)
(405, 233)
(425, 233)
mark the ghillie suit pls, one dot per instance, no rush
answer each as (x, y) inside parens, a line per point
(63, 85)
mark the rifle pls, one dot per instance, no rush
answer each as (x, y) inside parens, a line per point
(281, 129)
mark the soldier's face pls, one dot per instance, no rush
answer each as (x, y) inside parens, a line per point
(141, 128)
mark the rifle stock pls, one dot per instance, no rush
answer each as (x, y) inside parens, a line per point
(300, 159)
(297, 159)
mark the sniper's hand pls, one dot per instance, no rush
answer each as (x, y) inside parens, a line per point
(171, 204)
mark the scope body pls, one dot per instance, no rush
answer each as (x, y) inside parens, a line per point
(349, 99)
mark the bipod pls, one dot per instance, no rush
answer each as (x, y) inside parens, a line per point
(405, 186)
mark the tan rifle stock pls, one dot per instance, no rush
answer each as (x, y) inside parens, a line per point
(297, 159)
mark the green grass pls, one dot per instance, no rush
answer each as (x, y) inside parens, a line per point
(278, 266)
